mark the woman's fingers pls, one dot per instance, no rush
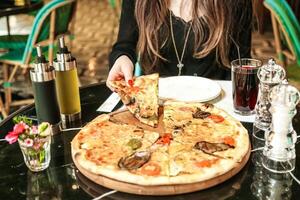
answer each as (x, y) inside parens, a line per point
(109, 86)
(127, 71)
(112, 76)
(122, 69)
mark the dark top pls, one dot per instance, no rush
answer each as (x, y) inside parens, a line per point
(205, 67)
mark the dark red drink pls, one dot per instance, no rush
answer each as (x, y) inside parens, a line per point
(244, 88)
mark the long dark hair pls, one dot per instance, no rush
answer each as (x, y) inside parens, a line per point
(216, 19)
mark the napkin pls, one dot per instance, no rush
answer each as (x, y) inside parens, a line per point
(110, 103)
(225, 102)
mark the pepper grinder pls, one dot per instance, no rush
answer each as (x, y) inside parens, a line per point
(269, 75)
(43, 83)
(279, 151)
(67, 86)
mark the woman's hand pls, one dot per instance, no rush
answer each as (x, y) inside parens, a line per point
(123, 68)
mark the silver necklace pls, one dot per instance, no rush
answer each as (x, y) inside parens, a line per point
(180, 65)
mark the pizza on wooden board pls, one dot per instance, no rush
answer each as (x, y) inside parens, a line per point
(199, 142)
(140, 96)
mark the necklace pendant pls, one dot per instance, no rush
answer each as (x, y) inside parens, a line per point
(180, 66)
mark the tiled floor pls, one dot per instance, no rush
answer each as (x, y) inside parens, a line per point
(95, 30)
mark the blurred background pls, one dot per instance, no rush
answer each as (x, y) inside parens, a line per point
(92, 28)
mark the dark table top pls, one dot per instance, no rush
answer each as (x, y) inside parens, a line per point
(9, 8)
(62, 181)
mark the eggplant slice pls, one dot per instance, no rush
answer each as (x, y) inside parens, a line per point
(200, 114)
(210, 148)
(135, 160)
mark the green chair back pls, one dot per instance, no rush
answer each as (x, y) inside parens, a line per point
(112, 3)
(41, 25)
(63, 16)
(289, 24)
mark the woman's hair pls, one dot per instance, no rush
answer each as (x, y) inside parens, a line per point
(215, 23)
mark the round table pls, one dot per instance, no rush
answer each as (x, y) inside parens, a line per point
(63, 181)
(8, 8)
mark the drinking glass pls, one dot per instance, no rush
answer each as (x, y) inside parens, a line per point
(245, 85)
(37, 156)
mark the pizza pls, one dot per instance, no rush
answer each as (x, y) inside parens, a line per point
(198, 142)
(212, 127)
(140, 96)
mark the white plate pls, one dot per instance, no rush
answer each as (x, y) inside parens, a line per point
(188, 88)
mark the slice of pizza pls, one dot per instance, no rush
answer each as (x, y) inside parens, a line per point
(140, 97)
(186, 162)
(106, 144)
(207, 128)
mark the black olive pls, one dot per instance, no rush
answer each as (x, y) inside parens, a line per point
(199, 114)
(208, 105)
(177, 127)
(132, 100)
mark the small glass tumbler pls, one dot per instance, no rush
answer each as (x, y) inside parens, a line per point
(36, 152)
(245, 85)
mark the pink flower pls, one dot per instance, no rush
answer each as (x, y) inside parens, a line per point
(11, 137)
(19, 128)
(36, 145)
(28, 142)
(34, 130)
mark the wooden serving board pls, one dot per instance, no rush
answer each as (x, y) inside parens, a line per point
(126, 117)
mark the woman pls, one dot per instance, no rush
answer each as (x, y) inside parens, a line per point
(181, 37)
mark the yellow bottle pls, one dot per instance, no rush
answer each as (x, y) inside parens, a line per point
(67, 86)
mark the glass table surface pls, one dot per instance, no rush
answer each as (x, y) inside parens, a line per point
(63, 181)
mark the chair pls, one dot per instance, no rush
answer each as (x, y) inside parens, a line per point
(50, 22)
(283, 16)
(16, 41)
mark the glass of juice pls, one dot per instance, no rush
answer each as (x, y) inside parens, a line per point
(245, 85)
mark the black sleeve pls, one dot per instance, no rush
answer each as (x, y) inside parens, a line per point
(242, 30)
(128, 34)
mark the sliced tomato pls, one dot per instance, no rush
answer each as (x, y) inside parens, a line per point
(88, 154)
(133, 89)
(216, 118)
(206, 163)
(165, 139)
(80, 136)
(100, 159)
(229, 140)
(151, 169)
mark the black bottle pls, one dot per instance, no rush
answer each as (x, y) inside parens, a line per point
(43, 83)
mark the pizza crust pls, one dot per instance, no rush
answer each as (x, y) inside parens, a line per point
(120, 175)
(125, 176)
